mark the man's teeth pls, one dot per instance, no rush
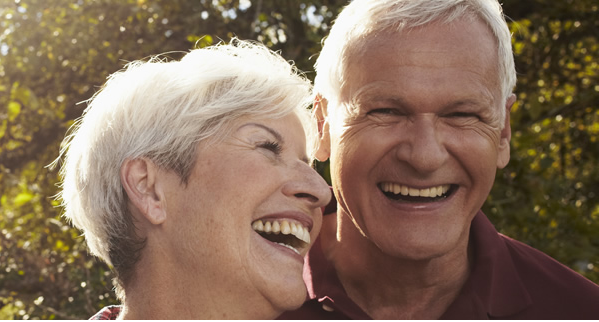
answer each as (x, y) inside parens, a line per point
(413, 192)
(282, 227)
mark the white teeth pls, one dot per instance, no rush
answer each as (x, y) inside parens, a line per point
(290, 247)
(414, 192)
(276, 227)
(283, 227)
(306, 235)
(404, 190)
(258, 225)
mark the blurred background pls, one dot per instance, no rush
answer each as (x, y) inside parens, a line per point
(55, 54)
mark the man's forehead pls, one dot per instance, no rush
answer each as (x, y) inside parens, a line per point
(433, 44)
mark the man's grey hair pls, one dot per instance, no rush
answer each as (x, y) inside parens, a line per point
(363, 18)
(160, 110)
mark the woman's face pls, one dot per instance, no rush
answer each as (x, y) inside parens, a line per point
(255, 181)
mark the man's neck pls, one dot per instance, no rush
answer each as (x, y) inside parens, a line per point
(388, 287)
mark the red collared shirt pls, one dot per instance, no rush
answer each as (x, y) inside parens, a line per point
(509, 280)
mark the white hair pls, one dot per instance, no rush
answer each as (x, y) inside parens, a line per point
(363, 18)
(161, 110)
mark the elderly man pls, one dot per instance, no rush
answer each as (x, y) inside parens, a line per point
(413, 101)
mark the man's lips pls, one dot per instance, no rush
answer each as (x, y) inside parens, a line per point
(405, 193)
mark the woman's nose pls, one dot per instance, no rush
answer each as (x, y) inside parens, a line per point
(309, 186)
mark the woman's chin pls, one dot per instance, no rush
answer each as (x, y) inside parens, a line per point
(289, 300)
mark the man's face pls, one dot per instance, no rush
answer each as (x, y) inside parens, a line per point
(416, 157)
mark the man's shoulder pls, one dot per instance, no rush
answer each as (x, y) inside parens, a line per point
(552, 286)
(538, 266)
(511, 280)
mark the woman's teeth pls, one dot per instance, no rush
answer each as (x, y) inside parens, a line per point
(290, 247)
(413, 192)
(282, 227)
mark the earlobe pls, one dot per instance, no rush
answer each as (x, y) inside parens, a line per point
(503, 150)
(324, 141)
(139, 179)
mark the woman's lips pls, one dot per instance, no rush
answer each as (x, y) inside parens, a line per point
(285, 232)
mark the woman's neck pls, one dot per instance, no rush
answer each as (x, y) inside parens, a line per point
(161, 289)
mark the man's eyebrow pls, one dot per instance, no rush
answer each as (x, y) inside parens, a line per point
(400, 102)
(372, 93)
(394, 101)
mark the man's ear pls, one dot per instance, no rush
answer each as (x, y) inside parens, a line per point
(503, 150)
(324, 139)
(139, 178)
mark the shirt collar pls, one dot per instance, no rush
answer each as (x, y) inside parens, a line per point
(494, 281)
(324, 286)
(494, 288)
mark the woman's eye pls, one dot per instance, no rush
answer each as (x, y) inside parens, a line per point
(272, 146)
(383, 111)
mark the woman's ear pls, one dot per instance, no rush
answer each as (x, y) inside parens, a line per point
(139, 178)
(503, 150)
(324, 139)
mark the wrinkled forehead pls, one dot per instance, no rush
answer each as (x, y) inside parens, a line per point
(464, 42)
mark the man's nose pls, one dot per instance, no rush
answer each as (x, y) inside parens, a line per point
(422, 145)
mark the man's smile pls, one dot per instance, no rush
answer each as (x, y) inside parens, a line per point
(405, 193)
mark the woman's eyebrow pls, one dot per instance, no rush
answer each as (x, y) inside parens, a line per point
(272, 131)
(277, 136)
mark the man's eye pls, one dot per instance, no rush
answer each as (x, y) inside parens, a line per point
(464, 115)
(272, 146)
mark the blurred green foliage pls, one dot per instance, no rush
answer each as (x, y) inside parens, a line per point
(547, 195)
(56, 53)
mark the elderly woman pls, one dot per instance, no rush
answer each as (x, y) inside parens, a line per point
(192, 179)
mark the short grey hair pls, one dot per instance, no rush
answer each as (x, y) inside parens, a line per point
(161, 110)
(362, 18)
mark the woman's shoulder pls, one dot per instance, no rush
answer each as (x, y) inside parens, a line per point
(108, 313)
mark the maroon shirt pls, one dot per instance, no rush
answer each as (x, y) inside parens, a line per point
(509, 280)
(108, 313)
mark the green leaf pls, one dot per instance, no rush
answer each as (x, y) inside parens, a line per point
(8, 312)
(14, 109)
(22, 198)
